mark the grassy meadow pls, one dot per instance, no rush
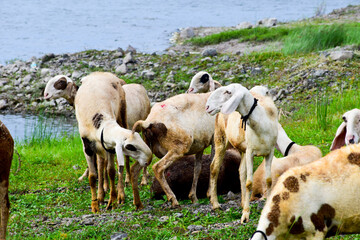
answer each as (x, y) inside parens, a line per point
(46, 190)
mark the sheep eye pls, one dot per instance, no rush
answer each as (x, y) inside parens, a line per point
(227, 92)
(130, 147)
(344, 118)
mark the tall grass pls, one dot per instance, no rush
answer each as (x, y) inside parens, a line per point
(309, 38)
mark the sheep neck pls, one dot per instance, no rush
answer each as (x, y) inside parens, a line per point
(71, 91)
(283, 141)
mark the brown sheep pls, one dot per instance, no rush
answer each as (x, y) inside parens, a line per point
(6, 155)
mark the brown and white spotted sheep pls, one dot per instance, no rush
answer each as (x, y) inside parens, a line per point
(294, 155)
(315, 200)
(177, 127)
(6, 155)
(255, 136)
(100, 108)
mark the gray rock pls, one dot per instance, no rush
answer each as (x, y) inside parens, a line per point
(130, 49)
(3, 104)
(244, 25)
(256, 71)
(164, 218)
(319, 73)
(3, 82)
(76, 75)
(178, 215)
(47, 57)
(76, 167)
(172, 53)
(119, 236)
(45, 71)
(193, 228)
(128, 58)
(268, 22)
(341, 55)
(187, 33)
(231, 196)
(148, 74)
(122, 69)
(209, 52)
(27, 79)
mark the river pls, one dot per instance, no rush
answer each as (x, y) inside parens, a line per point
(36, 27)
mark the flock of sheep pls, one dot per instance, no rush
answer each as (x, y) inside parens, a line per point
(307, 196)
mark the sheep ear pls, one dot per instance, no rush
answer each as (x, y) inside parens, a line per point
(119, 154)
(339, 139)
(212, 86)
(231, 105)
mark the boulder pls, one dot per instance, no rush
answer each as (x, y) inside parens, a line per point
(341, 55)
(244, 25)
(209, 52)
(187, 33)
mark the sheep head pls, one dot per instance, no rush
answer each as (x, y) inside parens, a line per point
(201, 83)
(225, 99)
(349, 130)
(261, 90)
(55, 88)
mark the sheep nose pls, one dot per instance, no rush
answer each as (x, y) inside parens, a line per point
(190, 90)
(207, 107)
(351, 139)
(46, 95)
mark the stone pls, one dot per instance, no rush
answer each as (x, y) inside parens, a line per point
(47, 57)
(3, 104)
(119, 236)
(118, 55)
(319, 73)
(341, 55)
(76, 167)
(209, 52)
(164, 218)
(193, 228)
(130, 49)
(268, 22)
(256, 71)
(129, 58)
(122, 69)
(76, 75)
(27, 79)
(172, 53)
(3, 82)
(45, 71)
(244, 25)
(231, 196)
(187, 32)
(148, 74)
(178, 215)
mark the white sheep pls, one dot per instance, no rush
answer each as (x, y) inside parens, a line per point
(313, 200)
(259, 121)
(349, 130)
(137, 106)
(100, 109)
(202, 82)
(176, 127)
(294, 155)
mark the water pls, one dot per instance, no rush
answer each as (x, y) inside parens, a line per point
(33, 28)
(24, 127)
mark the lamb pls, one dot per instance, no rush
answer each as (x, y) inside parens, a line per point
(202, 82)
(348, 131)
(294, 155)
(100, 109)
(179, 176)
(137, 105)
(176, 127)
(254, 135)
(6, 155)
(316, 199)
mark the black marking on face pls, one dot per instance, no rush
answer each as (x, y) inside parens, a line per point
(130, 147)
(60, 84)
(204, 78)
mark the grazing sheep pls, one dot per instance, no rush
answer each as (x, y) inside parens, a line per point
(6, 155)
(253, 134)
(316, 199)
(179, 176)
(202, 82)
(348, 131)
(100, 109)
(137, 106)
(176, 127)
(294, 155)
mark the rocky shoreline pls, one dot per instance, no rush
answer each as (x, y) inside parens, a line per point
(22, 82)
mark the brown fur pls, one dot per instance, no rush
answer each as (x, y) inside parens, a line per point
(6, 155)
(97, 119)
(354, 158)
(292, 184)
(296, 226)
(324, 216)
(60, 84)
(274, 214)
(180, 174)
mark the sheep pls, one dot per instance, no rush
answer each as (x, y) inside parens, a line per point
(176, 127)
(6, 155)
(202, 82)
(179, 176)
(137, 106)
(294, 155)
(100, 109)
(349, 130)
(316, 199)
(253, 134)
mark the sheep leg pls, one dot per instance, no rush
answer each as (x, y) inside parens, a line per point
(101, 193)
(145, 176)
(159, 170)
(249, 179)
(268, 180)
(4, 206)
(242, 176)
(135, 170)
(128, 172)
(121, 186)
(217, 161)
(92, 181)
(197, 170)
(106, 179)
(85, 174)
(112, 173)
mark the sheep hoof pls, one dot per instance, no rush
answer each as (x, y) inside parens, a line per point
(144, 182)
(139, 206)
(245, 217)
(95, 206)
